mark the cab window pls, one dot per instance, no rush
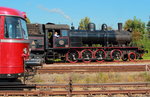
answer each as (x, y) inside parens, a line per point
(64, 32)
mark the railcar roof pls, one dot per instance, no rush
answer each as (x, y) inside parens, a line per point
(11, 12)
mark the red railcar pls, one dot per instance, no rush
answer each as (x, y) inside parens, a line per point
(14, 44)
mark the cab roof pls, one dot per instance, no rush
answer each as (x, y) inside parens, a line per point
(11, 12)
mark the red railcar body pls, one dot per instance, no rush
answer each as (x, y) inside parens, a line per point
(14, 44)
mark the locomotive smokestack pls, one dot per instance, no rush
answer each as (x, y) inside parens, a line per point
(91, 26)
(119, 26)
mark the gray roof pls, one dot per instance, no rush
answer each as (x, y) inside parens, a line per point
(57, 26)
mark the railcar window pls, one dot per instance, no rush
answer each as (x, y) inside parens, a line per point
(15, 28)
(64, 32)
(24, 29)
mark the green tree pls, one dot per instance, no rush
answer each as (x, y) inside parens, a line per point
(83, 25)
(137, 27)
(28, 20)
(128, 24)
(109, 28)
(139, 34)
(148, 27)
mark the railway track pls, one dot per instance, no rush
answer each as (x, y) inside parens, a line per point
(94, 68)
(80, 89)
(104, 62)
(65, 93)
(50, 86)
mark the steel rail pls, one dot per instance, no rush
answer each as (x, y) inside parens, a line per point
(95, 85)
(85, 92)
(105, 62)
(38, 86)
(110, 68)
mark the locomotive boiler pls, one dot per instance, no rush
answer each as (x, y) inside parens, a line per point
(102, 37)
(75, 45)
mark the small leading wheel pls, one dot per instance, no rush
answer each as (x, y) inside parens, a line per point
(86, 55)
(132, 56)
(72, 56)
(116, 54)
(100, 55)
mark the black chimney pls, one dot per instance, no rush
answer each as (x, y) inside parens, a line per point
(91, 27)
(119, 26)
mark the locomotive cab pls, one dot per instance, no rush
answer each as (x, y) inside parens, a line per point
(14, 43)
(62, 40)
(56, 36)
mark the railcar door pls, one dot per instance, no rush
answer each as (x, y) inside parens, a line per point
(61, 39)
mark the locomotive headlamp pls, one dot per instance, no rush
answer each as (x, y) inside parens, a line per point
(25, 51)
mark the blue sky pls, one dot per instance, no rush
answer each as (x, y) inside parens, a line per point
(67, 11)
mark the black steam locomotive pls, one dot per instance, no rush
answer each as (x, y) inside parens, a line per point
(81, 45)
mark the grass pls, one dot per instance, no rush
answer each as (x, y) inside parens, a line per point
(147, 55)
(87, 78)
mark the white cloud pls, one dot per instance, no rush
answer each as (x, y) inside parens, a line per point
(56, 10)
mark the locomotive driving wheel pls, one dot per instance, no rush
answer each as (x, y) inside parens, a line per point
(72, 56)
(132, 56)
(100, 55)
(116, 54)
(86, 55)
